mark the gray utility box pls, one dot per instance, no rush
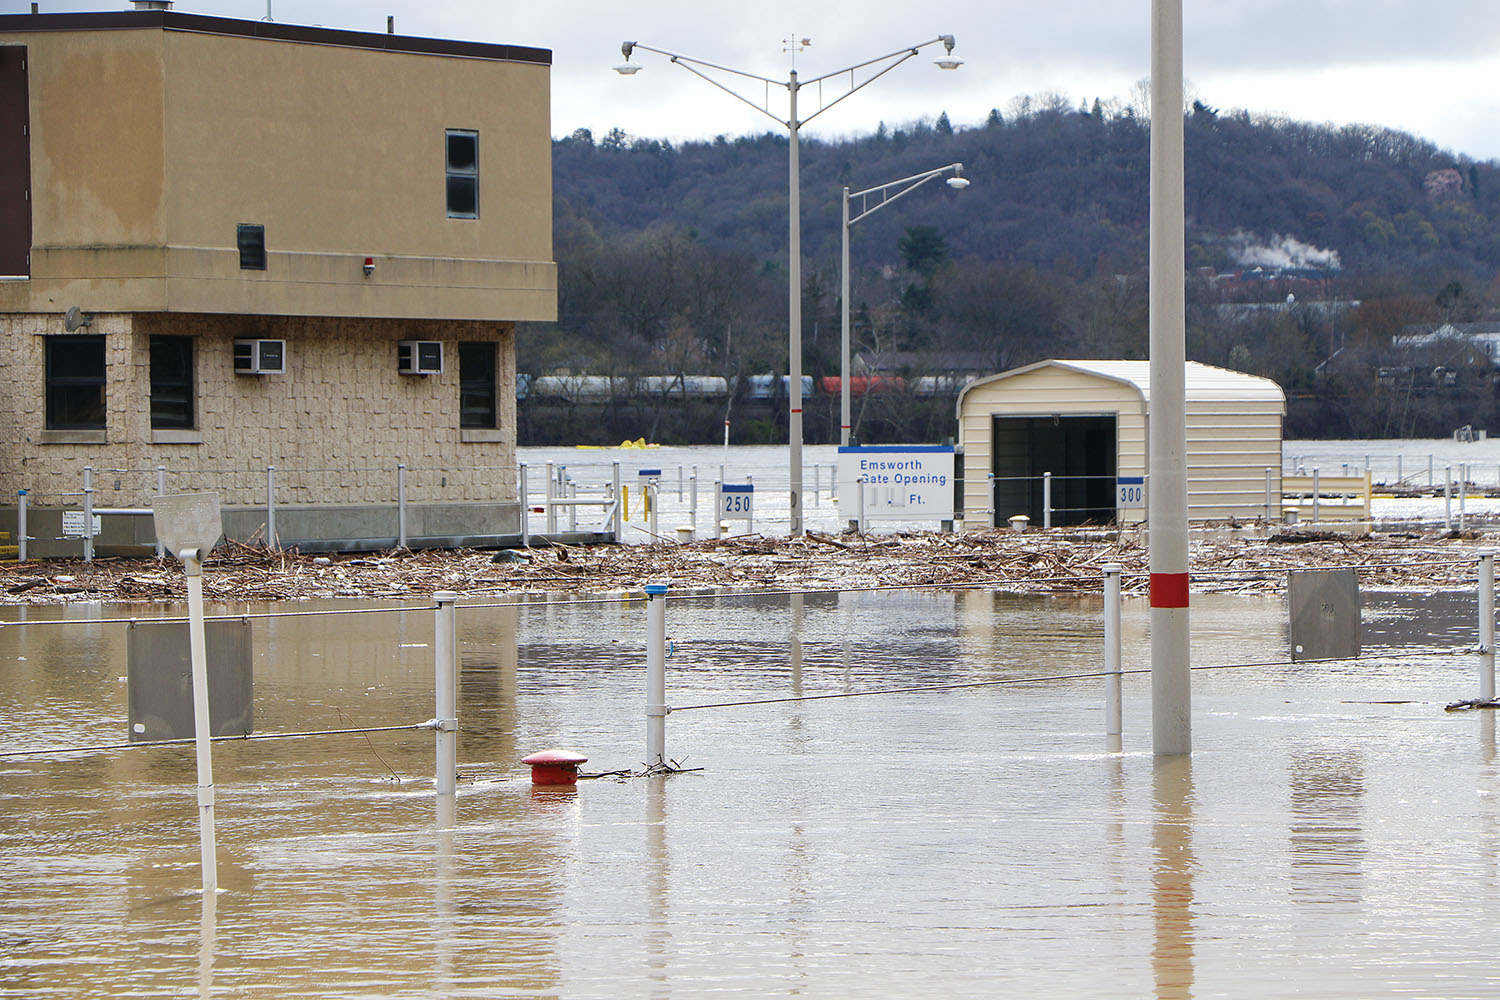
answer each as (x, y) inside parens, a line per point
(1325, 614)
(160, 684)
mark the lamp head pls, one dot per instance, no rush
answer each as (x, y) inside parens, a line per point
(948, 60)
(958, 183)
(627, 68)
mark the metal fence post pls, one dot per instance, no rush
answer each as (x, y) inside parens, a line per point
(1317, 496)
(20, 525)
(859, 524)
(1112, 712)
(656, 674)
(652, 503)
(619, 526)
(161, 490)
(570, 491)
(693, 506)
(1447, 498)
(88, 514)
(1046, 499)
(445, 663)
(1487, 625)
(719, 509)
(525, 508)
(401, 505)
(271, 507)
(1463, 492)
(1270, 509)
(551, 521)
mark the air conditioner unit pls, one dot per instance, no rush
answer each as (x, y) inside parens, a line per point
(260, 357)
(420, 357)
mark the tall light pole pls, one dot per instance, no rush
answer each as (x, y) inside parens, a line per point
(1167, 493)
(878, 67)
(906, 184)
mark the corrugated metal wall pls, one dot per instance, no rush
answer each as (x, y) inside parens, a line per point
(1233, 435)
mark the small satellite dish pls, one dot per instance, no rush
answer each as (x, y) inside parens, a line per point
(74, 319)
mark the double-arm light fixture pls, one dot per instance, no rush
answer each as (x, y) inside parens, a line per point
(793, 122)
(883, 195)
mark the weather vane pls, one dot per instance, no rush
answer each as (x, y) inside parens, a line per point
(795, 45)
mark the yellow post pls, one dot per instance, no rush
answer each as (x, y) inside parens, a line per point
(625, 502)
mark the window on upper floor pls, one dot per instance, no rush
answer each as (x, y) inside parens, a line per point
(477, 391)
(462, 152)
(171, 382)
(250, 240)
(75, 382)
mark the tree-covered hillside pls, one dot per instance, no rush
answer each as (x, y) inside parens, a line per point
(673, 258)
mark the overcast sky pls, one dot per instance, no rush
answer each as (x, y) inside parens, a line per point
(1430, 67)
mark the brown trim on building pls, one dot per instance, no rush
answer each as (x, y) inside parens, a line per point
(274, 30)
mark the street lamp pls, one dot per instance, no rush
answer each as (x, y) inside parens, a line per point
(906, 184)
(878, 67)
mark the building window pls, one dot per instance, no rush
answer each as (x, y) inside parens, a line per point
(75, 383)
(251, 240)
(477, 396)
(171, 382)
(463, 174)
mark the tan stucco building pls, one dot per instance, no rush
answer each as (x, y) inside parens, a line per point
(281, 246)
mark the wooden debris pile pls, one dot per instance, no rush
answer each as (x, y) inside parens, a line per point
(1056, 561)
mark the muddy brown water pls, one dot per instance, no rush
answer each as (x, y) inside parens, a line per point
(1335, 833)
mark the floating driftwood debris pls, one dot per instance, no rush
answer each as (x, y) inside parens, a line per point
(1057, 561)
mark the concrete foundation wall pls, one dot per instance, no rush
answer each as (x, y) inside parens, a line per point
(331, 528)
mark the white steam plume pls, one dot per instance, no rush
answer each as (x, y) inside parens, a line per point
(1279, 252)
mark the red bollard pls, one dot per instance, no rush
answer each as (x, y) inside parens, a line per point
(555, 766)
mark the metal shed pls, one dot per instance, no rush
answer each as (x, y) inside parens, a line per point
(1085, 423)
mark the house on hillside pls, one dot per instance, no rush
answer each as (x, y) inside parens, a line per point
(1446, 356)
(232, 245)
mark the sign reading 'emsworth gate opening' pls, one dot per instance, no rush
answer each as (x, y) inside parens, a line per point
(901, 482)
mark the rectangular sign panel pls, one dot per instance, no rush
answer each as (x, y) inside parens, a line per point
(73, 524)
(736, 501)
(1130, 492)
(910, 482)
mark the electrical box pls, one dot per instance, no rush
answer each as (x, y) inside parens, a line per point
(1324, 607)
(420, 357)
(260, 357)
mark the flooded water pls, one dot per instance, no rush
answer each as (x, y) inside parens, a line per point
(1334, 834)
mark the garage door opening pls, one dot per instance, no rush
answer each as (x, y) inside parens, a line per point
(1080, 452)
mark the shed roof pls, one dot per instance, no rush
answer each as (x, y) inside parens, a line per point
(1203, 383)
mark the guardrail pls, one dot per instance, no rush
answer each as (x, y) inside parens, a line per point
(1318, 497)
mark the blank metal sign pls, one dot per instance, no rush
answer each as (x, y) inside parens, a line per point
(1325, 607)
(160, 684)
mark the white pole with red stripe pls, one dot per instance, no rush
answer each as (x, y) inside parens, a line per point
(1171, 698)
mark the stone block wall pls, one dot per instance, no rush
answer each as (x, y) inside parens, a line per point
(335, 426)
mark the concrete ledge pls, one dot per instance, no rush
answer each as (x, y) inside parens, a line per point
(310, 528)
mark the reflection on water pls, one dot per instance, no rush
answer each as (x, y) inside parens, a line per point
(1327, 845)
(1172, 876)
(976, 841)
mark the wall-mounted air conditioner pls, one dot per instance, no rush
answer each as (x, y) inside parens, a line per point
(420, 357)
(259, 357)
